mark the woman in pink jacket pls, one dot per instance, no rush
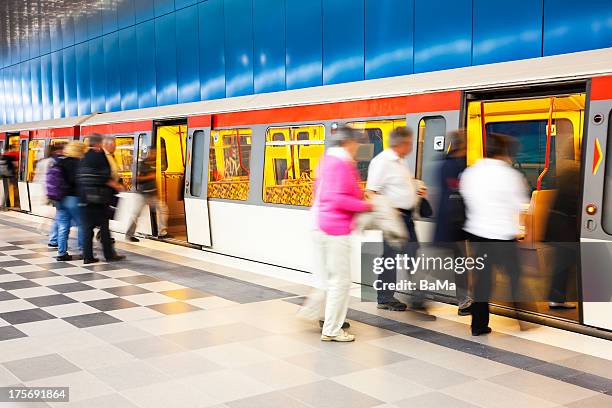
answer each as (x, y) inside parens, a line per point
(338, 198)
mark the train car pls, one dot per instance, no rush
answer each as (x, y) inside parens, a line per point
(237, 173)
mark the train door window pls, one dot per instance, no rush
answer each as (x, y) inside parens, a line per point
(606, 216)
(430, 151)
(23, 159)
(290, 162)
(36, 152)
(53, 142)
(230, 164)
(124, 157)
(197, 163)
(377, 136)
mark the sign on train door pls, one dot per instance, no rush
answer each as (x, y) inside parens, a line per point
(596, 211)
(196, 182)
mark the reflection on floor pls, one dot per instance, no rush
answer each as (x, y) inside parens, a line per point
(165, 330)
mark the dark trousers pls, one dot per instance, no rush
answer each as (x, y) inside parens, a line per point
(96, 215)
(390, 275)
(497, 253)
(564, 260)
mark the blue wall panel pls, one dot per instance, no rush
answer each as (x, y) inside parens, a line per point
(178, 4)
(111, 63)
(145, 43)
(18, 106)
(55, 32)
(343, 41)
(81, 52)
(109, 17)
(97, 75)
(94, 24)
(571, 26)
(57, 76)
(238, 47)
(34, 46)
(163, 7)
(269, 45)
(36, 89)
(46, 83)
(304, 44)
(442, 35)
(506, 30)
(389, 46)
(24, 49)
(187, 55)
(70, 81)
(2, 94)
(67, 24)
(165, 59)
(44, 39)
(144, 10)
(125, 14)
(212, 49)
(128, 63)
(26, 96)
(80, 28)
(8, 100)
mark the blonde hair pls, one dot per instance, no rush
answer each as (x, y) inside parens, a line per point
(75, 149)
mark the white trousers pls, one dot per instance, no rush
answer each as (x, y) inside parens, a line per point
(333, 282)
(157, 205)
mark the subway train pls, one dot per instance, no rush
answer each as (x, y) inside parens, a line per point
(237, 173)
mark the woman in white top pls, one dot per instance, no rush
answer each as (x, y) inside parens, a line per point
(494, 194)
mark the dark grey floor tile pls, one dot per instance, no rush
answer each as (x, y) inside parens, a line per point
(10, 332)
(7, 296)
(270, 400)
(4, 271)
(138, 279)
(20, 284)
(90, 320)
(591, 382)
(329, 394)
(35, 368)
(116, 303)
(29, 256)
(55, 265)
(26, 316)
(25, 242)
(9, 248)
(51, 300)
(127, 290)
(185, 294)
(37, 274)
(70, 287)
(556, 371)
(174, 308)
(517, 360)
(8, 264)
(84, 277)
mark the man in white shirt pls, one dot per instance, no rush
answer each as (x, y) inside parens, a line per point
(494, 194)
(389, 175)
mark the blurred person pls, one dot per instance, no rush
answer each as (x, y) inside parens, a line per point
(494, 194)
(146, 185)
(109, 145)
(97, 188)
(562, 232)
(40, 177)
(451, 213)
(68, 208)
(338, 198)
(389, 175)
(9, 163)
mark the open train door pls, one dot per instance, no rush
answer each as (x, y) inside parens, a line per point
(22, 172)
(596, 214)
(196, 181)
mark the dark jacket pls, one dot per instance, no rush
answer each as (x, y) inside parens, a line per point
(562, 225)
(448, 228)
(93, 175)
(70, 168)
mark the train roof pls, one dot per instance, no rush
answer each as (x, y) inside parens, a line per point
(46, 124)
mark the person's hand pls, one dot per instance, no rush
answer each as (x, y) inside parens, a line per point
(422, 191)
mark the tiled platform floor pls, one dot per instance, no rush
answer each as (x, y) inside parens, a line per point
(152, 333)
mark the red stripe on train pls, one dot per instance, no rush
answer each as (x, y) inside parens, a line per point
(118, 128)
(601, 88)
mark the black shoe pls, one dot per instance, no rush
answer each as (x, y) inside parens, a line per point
(466, 311)
(90, 261)
(65, 257)
(50, 245)
(115, 258)
(478, 332)
(394, 306)
(345, 325)
(132, 239)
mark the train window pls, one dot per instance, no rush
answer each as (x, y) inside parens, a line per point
(531, 156)
(290, 162)
(197, 163)
(377, 135)
(36, 152)
(23, 159)
(229, 164)
(124, 157)
(606, 215)
(429, 154)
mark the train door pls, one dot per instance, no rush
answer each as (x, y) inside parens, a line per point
(549, 133)
(596, 209)
(22, 173)
(196, 184)
(171, 141)
(36, 153)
